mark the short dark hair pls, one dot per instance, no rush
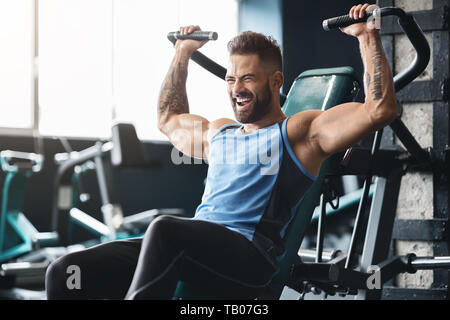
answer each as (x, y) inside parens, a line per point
(266, 47)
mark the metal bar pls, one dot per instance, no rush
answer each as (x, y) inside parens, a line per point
(428, 20)
(360, 164)
(65, 166)
(320, 227)
(425, 91)
(440, 54)
(77, 157)
(390, 268)
(373, 223)
(358, 222)
(441, 142)
(9, 154)
(308, 255)
(420, 230)
(101, 177)
(420, 44)
(23, 268)
(364, 200)
(392, 293)
(409, 141)
(89, 223)
(379, 227)
(431, 263)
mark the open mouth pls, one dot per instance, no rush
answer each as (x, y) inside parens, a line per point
(243, 102)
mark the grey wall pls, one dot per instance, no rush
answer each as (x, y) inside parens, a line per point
(421, 198)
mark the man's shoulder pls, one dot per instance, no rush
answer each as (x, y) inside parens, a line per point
(215, 125)
(298, 124)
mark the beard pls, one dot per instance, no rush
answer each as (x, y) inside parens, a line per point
(258, 108)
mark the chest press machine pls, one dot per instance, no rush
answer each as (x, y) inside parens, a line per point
(337, 273)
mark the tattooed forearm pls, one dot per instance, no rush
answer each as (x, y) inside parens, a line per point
(377, 89)
(366, 82)
(173, 98)
(380, 99)
(378, 82)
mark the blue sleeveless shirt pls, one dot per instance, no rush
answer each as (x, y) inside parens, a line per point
(254, 185)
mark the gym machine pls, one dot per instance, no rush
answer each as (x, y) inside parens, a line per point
(347, 275)
(17, 234)
(25, 253)
(126, 151)
(350, 274)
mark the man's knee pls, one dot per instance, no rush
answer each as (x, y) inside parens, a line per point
(165, 233)
(162, 226)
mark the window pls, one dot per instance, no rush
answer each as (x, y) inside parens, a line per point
(106, 59)
(16, 63)
(75, 67)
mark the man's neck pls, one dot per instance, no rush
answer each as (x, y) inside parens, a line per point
(271, 118)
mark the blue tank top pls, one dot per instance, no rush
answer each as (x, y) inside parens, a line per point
(254, 185)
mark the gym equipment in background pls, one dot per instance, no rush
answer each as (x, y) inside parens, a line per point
(126, 151)
(17, 234)
(25, 253)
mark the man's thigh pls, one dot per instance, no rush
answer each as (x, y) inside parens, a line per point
(211, 247)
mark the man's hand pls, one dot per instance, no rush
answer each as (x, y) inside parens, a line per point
(358, 29)
(189, 46)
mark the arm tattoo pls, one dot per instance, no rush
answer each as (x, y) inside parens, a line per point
(366, 82)
(173, 97)
(377, 91)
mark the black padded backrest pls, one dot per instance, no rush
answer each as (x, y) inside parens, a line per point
(128, 151)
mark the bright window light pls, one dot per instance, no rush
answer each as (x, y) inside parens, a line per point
(105, 59)
(75, 67)
(16, 63)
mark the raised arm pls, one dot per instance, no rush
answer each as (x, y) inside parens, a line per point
(187, 132)
(326, 132)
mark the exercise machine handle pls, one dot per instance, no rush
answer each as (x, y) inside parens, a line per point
(203, 60)
(343, 21)
(407, 75)
(412, 31)
(196, 35)
(420, 44)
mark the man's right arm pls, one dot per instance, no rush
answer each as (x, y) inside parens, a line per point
(187, 132)
(184, 130)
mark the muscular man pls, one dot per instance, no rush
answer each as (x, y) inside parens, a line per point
(249, 198)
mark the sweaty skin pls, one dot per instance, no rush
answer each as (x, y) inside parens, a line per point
(254, 91)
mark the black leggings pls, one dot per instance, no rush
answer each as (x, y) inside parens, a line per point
(171, 250)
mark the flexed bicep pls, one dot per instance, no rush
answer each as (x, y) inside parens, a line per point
(341, 127)
(188, 133)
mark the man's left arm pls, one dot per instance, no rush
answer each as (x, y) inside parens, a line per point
(344, 125)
